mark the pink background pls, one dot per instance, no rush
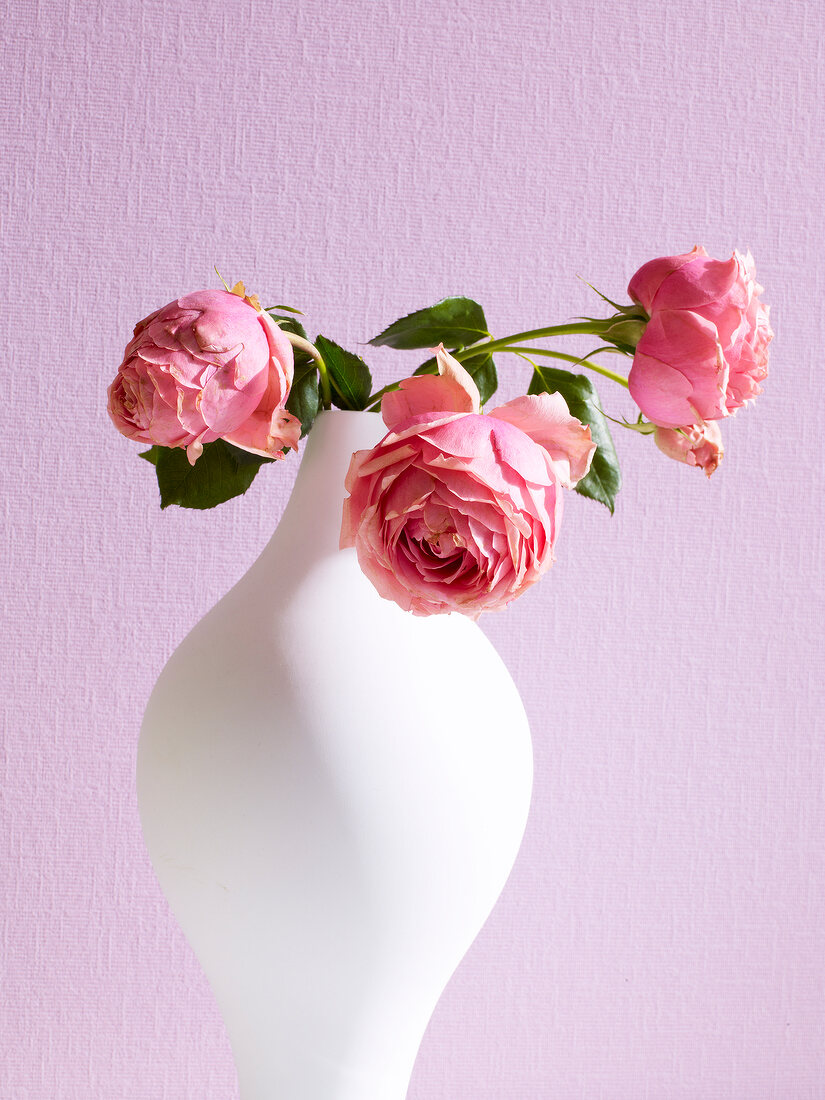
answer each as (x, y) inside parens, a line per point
(662, 934)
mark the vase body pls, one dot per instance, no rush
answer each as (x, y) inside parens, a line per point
(332, 793)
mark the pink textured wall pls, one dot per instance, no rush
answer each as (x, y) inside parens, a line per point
(663, 933)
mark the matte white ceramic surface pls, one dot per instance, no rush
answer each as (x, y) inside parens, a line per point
(332, 793)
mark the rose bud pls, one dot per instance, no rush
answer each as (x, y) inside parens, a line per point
(704, 350)
(208, 366)
(457, 511)
(697, 445)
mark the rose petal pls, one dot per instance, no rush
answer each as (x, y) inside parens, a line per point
(547, 420)
(204, 367)
(696, 444)
(460, 514)
(679, 374)
(645, 284)
(700, 282)
(451, 390)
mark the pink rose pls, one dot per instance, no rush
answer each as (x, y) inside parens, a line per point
(704, 350)
(207, 366)
(697, 445)
(454, 510)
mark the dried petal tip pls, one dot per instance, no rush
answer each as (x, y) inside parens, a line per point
(250, 299)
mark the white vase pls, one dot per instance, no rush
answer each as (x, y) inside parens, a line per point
(332, 792)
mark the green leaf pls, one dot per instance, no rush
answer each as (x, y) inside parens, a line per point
(455, 322)
(480, 367)
(291, 324)
(483, 370)
(428, 367)
(349, 375)
(303, 394)
(604, 478)
(288, 324)
(221, 472)
(288, 309)
(303, 400)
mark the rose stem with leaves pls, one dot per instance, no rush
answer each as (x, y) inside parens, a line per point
(512, 344)
(312, 351)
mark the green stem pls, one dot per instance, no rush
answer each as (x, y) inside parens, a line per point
(577, 328)
(576, 360)
(375, 400)
(506, 343)
(642, 426)
(326, 389)
(312, 351)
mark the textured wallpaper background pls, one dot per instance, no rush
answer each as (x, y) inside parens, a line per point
(663, 933)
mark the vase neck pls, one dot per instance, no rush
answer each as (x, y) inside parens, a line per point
(313, 514)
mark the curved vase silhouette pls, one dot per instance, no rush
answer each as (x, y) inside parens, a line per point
(332, 792)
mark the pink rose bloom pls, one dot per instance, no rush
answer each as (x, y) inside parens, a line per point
(207, 366)
(457, 511)
(697, 445)
(704, 350)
